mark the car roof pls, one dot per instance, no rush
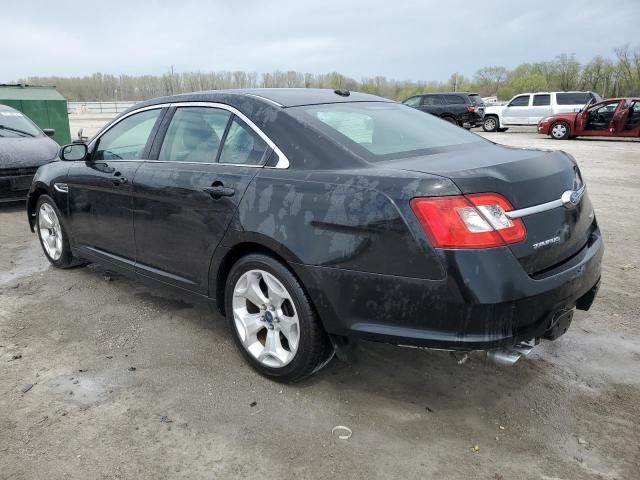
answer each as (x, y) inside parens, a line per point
(281, 97)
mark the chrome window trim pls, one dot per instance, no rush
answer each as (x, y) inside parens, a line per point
(283, 161)
(543, 207)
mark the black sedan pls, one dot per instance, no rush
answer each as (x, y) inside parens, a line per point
(312, 218)
(23, 148)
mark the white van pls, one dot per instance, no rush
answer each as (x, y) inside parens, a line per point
(530, 108)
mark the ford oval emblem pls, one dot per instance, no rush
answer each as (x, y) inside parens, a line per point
(571, 198)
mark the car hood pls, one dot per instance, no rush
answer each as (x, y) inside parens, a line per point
(494, 109)
(26, 152)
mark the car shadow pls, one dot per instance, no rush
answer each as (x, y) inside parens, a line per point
(429, 378)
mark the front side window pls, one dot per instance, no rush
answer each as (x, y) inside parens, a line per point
(382, 131)
(243, 146)
(194, 135)
(432, 100)
(541, 100)
(521, 101)
(412, 102)
(126, 140)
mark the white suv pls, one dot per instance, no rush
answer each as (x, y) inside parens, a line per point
(530, 108)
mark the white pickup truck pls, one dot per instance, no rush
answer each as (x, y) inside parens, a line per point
(530, 108)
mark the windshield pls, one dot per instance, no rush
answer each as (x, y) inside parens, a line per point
(383, 131)
(15, 124)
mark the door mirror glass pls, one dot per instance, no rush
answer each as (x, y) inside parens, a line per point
(74, 152)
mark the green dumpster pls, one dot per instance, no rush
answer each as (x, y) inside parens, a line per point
(44, 105)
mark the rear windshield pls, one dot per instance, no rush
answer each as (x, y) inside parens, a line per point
(15, 124)
(476, 99)
(573, 98)
(383, 131)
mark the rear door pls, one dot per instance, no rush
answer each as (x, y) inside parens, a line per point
(540, 108)
(517, 111)
(204, 159)
(620, 117)
(100, 202)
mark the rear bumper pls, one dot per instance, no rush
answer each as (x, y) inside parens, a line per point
(474, 119)
(487, 301)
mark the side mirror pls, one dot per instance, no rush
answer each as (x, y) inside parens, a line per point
(49, 132)
(73, 152)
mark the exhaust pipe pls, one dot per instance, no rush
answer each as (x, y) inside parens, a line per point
(508, 357)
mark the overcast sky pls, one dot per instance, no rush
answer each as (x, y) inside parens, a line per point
(412, 40)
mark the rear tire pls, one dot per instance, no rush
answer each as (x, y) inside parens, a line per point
(490, 124)
(559, 131)
(450, 120)
(53, 234)
(272, 320)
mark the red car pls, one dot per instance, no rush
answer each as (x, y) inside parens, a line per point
(614, 117)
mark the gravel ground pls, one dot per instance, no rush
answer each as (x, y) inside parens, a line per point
(101, 377)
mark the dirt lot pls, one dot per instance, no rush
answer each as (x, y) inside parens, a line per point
(101, 377)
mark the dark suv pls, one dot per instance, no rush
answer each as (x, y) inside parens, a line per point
(463, 109)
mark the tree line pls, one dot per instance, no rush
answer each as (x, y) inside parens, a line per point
(613, 76)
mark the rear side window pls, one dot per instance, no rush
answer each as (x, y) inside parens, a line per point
(521, 101)
(126, 140)
(431, 100)
(243, 146)
(455, 99)
(382, 131)
(194, 135)
(412, 102)
(541, 100)
(573, 98)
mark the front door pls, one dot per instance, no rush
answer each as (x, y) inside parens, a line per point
(597, 120)
(100, 189)
(517, 111)
(186, 198)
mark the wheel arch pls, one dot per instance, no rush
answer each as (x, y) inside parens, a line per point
(494, 115)
(32, 200)
(227, 255)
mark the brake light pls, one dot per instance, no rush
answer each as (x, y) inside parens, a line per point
(471, 221)
(471, 108)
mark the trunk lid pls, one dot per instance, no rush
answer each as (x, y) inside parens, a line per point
(526, 178)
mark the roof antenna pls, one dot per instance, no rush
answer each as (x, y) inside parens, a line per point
(342, 92)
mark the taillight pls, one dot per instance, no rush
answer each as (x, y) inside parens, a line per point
(471, 108)
(471, 221)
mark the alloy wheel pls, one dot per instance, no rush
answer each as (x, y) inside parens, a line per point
(266, 319)
(50, 231)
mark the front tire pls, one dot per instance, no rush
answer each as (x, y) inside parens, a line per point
(52, 233)
(272, 320)
(559, 131)
(490, 124)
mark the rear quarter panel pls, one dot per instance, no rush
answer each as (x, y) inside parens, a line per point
(357, 220)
